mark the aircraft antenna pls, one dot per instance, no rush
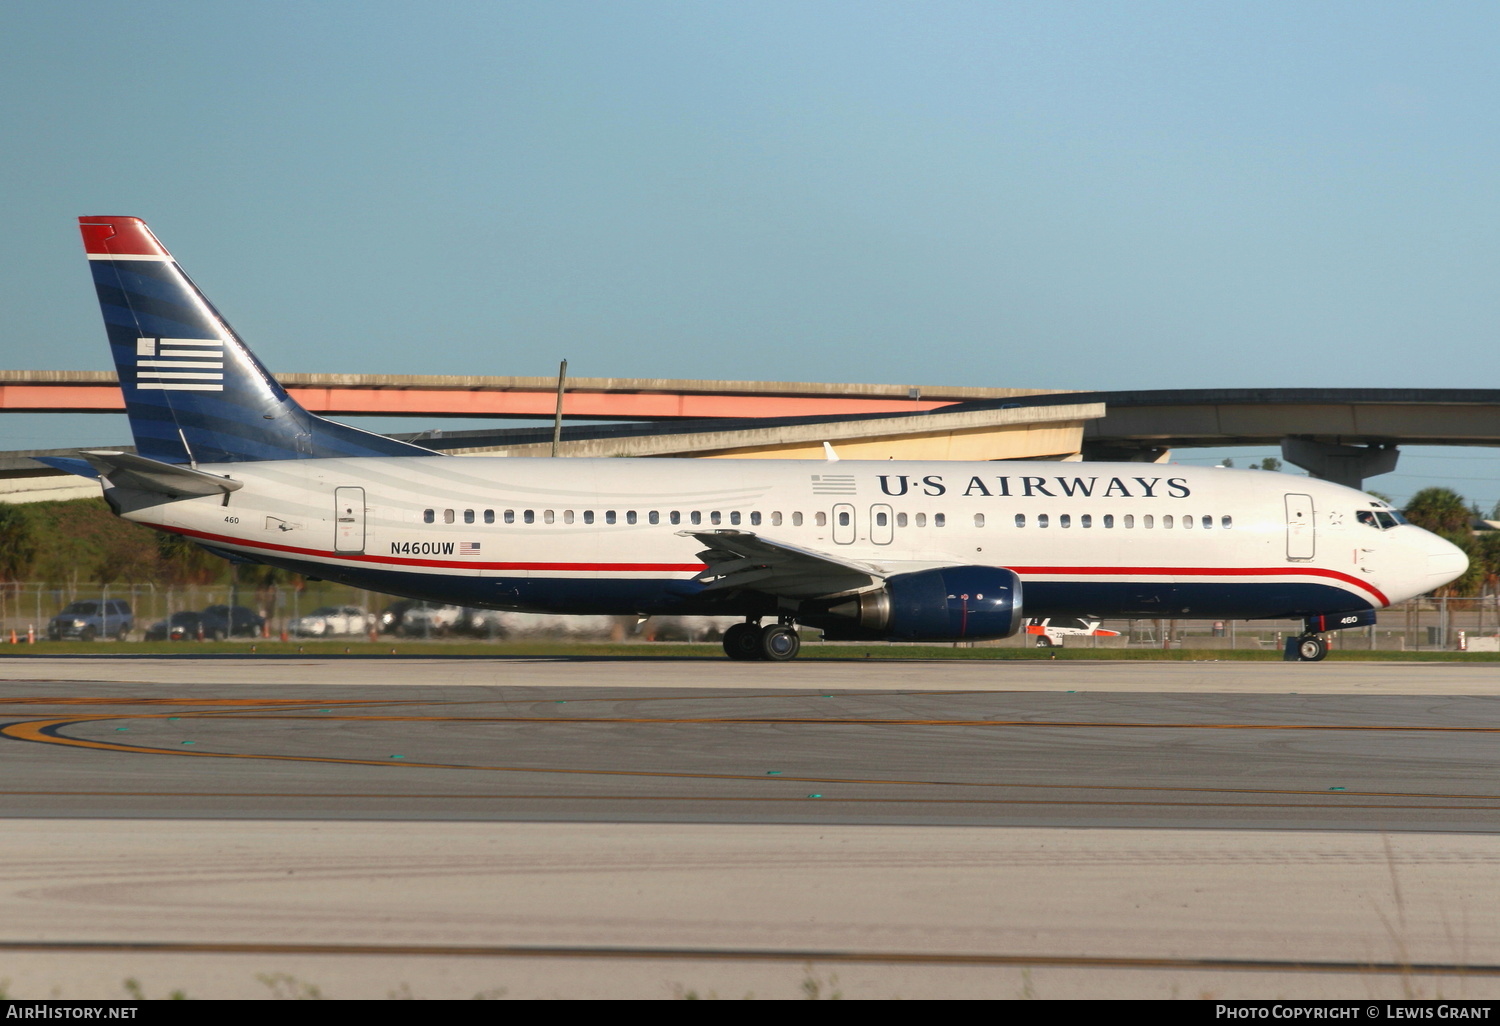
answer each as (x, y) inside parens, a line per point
(562, 382)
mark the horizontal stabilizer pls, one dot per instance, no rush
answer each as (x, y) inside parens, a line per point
(80, 467)
(123, 470)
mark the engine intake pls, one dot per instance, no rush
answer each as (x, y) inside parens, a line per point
(954, 603)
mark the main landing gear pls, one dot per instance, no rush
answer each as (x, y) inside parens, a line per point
(776, 642)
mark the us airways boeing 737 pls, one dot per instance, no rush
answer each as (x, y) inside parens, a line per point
(908, 551)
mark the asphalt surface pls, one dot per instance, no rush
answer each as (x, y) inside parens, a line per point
(818, 755)
(657, 827)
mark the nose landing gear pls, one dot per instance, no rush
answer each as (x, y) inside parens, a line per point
(1309, 648)
(775, 643)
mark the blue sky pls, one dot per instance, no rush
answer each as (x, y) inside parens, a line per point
(1078, 195)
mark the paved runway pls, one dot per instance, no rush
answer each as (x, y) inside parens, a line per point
(502, 816)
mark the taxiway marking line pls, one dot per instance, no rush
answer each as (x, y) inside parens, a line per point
(754, 955)
(826, 799)
(861, 721)
(45, 732)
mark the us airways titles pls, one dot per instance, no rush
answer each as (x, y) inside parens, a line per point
(1050, 487)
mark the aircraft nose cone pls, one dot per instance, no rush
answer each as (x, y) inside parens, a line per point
(1446, 561)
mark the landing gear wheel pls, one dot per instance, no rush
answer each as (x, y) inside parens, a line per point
(779, 643)
(1311, 648)
(742, 641)
(1042, 641)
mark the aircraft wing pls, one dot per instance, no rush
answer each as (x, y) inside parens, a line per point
(743, 559)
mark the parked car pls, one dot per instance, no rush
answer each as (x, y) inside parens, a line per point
(392, 616)
(92, 618)
(430, 620)
(328, 621)
(1050, 631)
(180, 626)
(232, 621)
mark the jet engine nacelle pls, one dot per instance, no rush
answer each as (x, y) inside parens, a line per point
(953, 603)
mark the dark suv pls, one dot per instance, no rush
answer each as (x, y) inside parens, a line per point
(92, 618)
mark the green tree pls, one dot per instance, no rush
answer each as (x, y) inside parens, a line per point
(1440, 510)
(17, 542)
(1488, 558)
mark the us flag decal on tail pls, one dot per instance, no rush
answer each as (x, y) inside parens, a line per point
(180, 364)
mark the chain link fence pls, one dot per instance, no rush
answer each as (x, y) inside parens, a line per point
(28, 609)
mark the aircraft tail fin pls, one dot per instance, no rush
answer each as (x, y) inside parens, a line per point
(194, 393)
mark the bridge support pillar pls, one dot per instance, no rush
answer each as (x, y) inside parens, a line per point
(1344, 464)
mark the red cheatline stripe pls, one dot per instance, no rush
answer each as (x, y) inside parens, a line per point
(1024, 571)
(1205, 571)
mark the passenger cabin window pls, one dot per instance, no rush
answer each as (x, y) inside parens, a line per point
(653, 517)
(921, 519)
(978, 520)
(776, 518)
(447, 516)
(630, 516)
(796, 519)
(529, 516)
(755, 518)
(510, 516)
(609, 516)
(1129, 521)
(734, 518)
(939, 520)
(820, 519)
(843, 518)
(489, 516)
(1109, 521)
(588, 516)
(1065, 520)
(674, 517)
(547, 516)
(713, 518)
(1086, 520)
(567, 516)
(1187, 523)
(1208, 522)
(1147, 522)
(1041, 520)
(1166, 522)
(428, 516)
(1226, 522)
(696, 517)
(1020, 519)
(468, 516)
(900, 519)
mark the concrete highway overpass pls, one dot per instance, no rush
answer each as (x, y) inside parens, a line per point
(1346, 435)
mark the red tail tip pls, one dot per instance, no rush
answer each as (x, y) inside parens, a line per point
(119, 236)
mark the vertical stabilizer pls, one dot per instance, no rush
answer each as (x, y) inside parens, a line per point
(193, 392)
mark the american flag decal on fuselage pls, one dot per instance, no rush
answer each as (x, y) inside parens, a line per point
(180, 364)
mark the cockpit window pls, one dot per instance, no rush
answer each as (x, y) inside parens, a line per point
(1380, 519)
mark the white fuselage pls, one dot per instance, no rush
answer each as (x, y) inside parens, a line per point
(590, 536)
